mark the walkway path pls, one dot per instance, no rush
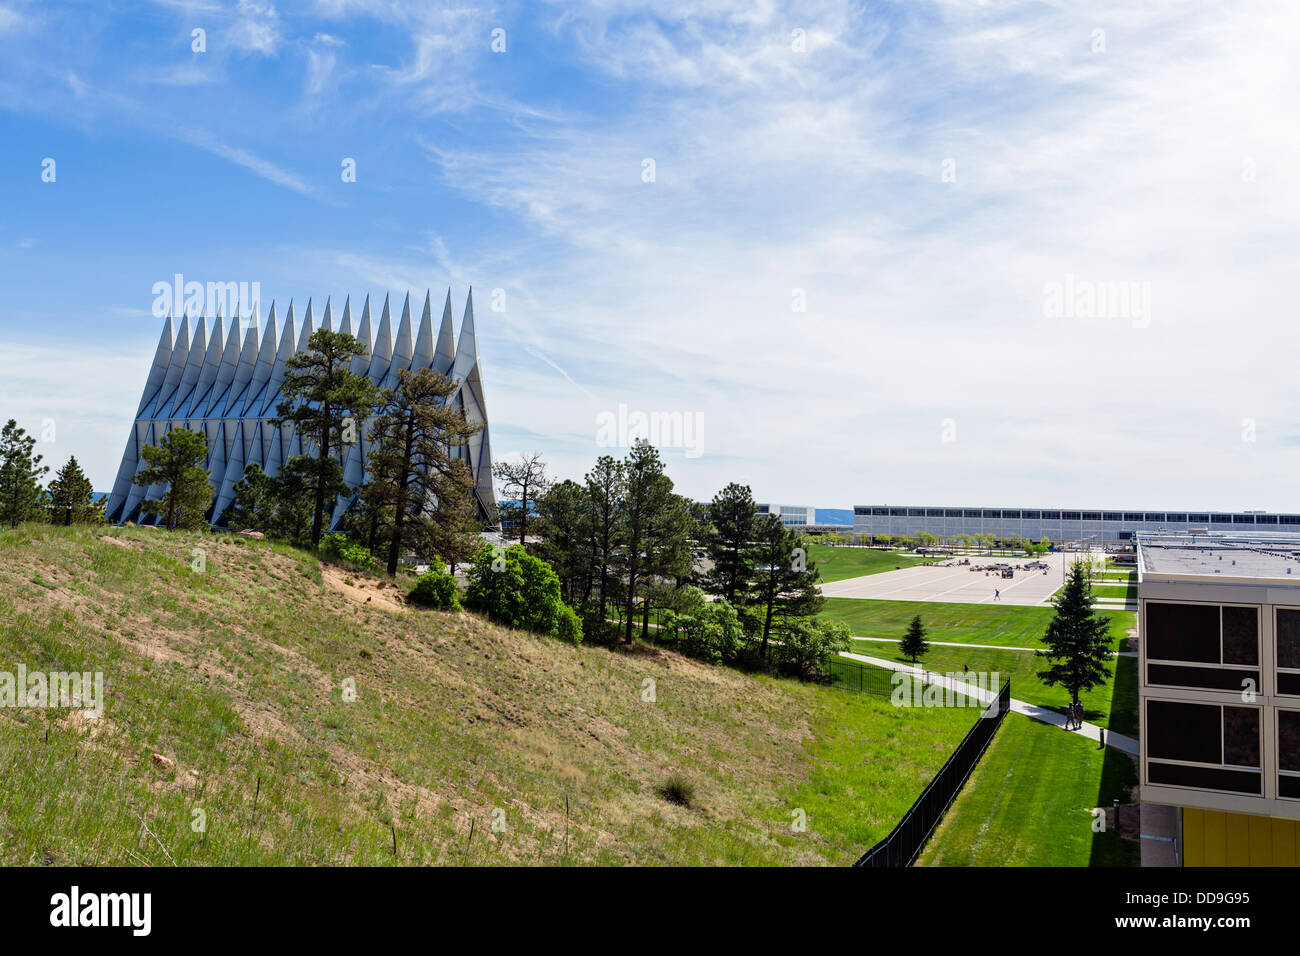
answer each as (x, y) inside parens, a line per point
(991, 647)
(1128, 745)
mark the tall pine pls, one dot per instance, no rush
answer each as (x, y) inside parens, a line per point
(913, 644)
(70, 496)
(1078, 639)
(21, 498)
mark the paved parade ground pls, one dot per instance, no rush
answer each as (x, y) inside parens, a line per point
(958, 584)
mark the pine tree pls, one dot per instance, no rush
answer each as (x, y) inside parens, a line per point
(646, 494)
(415, 467)
(785, 580)
(732, 516)
(70, 496)
(21, 497)
(177, 463)
(606, 485)
(913, 644)
(321, 394)
(1078, 639)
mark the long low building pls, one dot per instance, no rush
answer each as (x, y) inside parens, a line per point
(1083, 526)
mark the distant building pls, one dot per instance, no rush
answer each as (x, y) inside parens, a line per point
(228, 386)
(791, 515)
(1068, 525)
(1219, 693)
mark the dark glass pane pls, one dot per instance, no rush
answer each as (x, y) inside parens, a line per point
(1209, 678)
(1206, 778)
(1241, 636)
(1178, 731)
(1288, 786)
(1183, 632)
(1288, 638)
(1288, 684)
(1288, 740)
(1241, 736)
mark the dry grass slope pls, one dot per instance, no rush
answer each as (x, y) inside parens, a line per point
(236, 676)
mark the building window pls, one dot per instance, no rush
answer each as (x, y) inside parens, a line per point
(1051, 516)
(1287, 637)
(1288, 754)
(1070, 515)
(1201, 518)
(1175, 518)
(1092, 516)
(1112, 516)
(1206, 746)
(971, 513)
(1031, 515)
(1209, 647)
(952, 513)
(1132, 516)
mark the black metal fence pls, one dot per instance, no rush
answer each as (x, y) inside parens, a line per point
(904, 843)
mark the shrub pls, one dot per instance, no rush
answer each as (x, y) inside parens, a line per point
(677, 789)
(514, 588)
(570, 627)
(435, 588)
(338, 548)
(805, 644)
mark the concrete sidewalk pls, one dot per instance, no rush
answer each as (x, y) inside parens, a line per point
(1119, 742)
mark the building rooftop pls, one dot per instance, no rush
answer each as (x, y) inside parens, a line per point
(1262, 555)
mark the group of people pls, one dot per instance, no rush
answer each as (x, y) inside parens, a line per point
(1074, 717)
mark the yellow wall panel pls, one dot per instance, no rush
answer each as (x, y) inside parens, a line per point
(1238, 839)
(1193, 837)
(1216, 838)
(1260, 849)
(1284, 843)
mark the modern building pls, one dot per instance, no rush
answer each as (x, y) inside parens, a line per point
(1219, 693)
(1081, 526)
(791, 515)
(227, 385)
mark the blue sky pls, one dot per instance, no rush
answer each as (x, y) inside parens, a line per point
(840, 269)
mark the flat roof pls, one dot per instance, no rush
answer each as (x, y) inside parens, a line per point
(1263, 555)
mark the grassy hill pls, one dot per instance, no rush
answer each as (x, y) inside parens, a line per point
(226, 705)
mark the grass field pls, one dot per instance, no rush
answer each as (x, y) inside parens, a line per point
(238, 678)
(1115, 591)
(1008, 625)
(836, 563)
(1029, 802)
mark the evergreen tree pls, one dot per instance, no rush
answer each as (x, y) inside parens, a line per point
(70, 496)
(563, 521)
(1078, 639)
(415, 469)
(606, 486)
(647, 494)
(667, 549)
(320, 396)
(785, 579)
(279, 506)
(21, 497)
(177, 463)
(732, 516)
(913, 644)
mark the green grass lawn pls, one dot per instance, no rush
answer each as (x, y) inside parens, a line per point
(836, 563)
(1105, 705)
(1029, 800)
(1115, 591)
(868, 765)
(1009, 625)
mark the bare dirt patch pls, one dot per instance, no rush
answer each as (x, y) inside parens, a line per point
(362, 590)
